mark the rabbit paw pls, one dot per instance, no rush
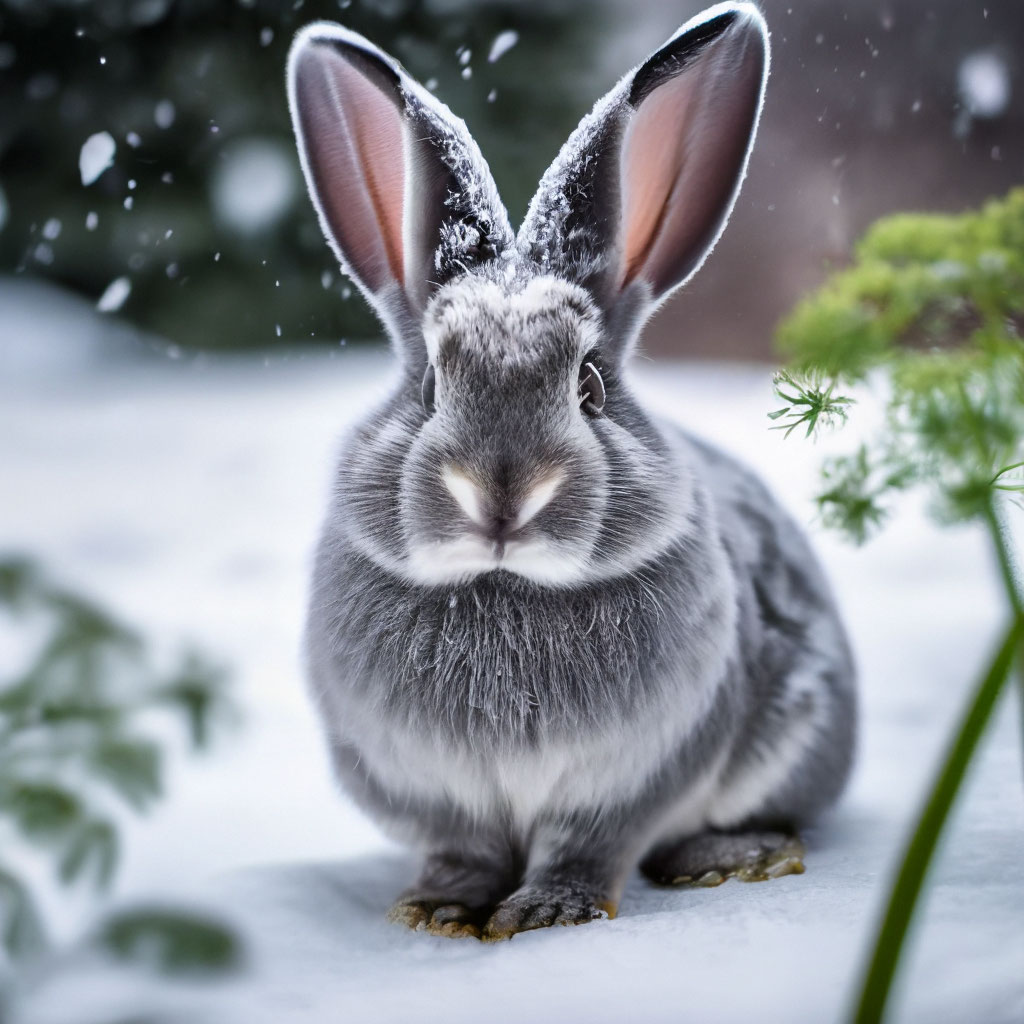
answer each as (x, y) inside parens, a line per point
(709, 859)
(534, 907)
(452, 920)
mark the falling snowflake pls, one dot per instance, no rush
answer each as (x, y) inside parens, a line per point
(97, 154)
(503, 42)
(253, 185)
(984, 82)
(164, 114)
(114, 297)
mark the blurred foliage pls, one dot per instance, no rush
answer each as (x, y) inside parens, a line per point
(931, 309)
(168, 940)
(74, 744)
(220, 243)
(937, 304)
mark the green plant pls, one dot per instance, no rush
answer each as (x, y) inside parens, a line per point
(930, 313)
(74, 743)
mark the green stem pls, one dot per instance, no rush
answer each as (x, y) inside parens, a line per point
(1007, 469)
(918, 855)
(1004, 557)
(1007, 569)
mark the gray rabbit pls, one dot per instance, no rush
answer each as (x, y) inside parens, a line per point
(551, 637)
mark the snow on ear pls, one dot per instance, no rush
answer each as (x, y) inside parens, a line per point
(403, 194)
(643, 188)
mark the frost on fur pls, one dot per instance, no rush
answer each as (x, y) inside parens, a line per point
(475, 227)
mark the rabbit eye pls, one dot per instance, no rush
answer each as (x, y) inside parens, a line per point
(591, 389)
(427, 390)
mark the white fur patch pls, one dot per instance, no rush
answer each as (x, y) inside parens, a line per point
(538, 496)
(545, 562)
(453, 561)
(450, 561)
(465, 492)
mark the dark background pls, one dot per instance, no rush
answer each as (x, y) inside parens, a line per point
(867, 112)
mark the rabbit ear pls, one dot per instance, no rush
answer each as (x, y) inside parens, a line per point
(641, 191)
(403, 194)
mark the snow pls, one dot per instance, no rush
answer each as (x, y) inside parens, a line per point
(114, 295)
(164, 114)
(254, 184)
(186, 494)
(984, 83)
(503, 42)
(96, 155)
(148, 12)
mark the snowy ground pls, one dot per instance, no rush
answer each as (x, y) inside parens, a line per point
(187, 495)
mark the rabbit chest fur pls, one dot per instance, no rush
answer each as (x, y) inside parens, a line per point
(506, 696)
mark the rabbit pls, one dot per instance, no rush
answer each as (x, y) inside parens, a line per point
(550, 637)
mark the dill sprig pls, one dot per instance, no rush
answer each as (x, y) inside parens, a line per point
(934, 307)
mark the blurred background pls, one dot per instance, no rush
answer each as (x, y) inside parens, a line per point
(195, 208)
(178, 354)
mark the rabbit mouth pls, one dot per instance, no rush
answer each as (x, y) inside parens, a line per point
(501, 535)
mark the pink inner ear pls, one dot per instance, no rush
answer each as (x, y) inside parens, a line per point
(355, 151)
(652, 157)
(682, 156)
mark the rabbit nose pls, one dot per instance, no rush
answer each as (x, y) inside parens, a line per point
(496, 523)
(499, 529)
(499, 521)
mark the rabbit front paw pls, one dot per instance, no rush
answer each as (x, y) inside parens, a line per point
(456, 891)
(450, 919)
(542, 907)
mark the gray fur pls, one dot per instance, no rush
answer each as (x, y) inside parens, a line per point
(654, 654)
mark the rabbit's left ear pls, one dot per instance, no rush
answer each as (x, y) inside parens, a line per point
(641, 191)
(403, 194)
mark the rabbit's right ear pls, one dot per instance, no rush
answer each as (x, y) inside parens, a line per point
(641, 191)
(403, 194)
